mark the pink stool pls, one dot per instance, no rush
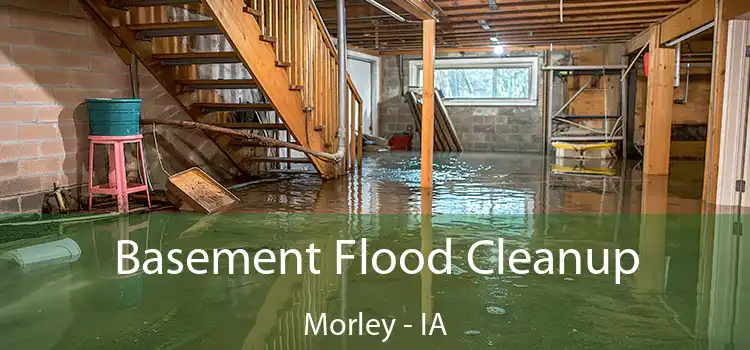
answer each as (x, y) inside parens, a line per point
(118, 183)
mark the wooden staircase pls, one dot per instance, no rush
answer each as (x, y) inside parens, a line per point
(267, 66)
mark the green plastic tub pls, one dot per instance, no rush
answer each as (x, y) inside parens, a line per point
(114, 116)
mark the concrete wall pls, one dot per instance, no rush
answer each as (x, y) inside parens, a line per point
(480, 128)
(51, 59)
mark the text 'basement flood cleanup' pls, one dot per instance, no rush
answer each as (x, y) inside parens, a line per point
(382, 261)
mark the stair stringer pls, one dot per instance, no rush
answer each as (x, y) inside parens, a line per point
(259, 57)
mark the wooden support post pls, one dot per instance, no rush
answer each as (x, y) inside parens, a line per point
(652, 238)
(716, 114)
(426, 248)
(428, 100)
(659, 102)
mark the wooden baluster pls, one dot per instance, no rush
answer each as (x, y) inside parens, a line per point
(263, 15)
(276, 27)
(290, 18)
(334, 102)
(281, 37)
(296, 42)
(350, 153)
(326, 80)
(292, 42)
(271, 18)
(319, 82)
(359, 135)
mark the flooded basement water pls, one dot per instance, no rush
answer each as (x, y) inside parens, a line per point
(690, 290)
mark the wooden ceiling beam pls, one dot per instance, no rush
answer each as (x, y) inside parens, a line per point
(687, 18)
(529, 22)
(568, 7)
(588, 29)
(485, 42)
(444, 50)
(590, 13)
(557, 45)
(540, 4)
(486, 38)
(418, 8)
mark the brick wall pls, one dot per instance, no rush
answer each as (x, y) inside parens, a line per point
(51, 59)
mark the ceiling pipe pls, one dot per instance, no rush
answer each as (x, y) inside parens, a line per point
(388, 11)
(690, 35)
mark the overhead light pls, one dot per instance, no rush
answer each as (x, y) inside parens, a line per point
(484, 24)
(493, 39)
(498, 50)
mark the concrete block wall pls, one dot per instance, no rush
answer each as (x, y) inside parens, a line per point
(52, 57)
(480, 128)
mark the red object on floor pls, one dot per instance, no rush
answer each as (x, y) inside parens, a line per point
(646, 59)
(118, 183)
(400, 142)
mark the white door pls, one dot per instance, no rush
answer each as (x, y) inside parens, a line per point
(361, 74)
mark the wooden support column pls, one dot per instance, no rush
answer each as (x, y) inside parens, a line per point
(659, 102)
(428, 100)
(716, 114)
(653, 232)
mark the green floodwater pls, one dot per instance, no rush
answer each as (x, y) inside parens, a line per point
(690, 290)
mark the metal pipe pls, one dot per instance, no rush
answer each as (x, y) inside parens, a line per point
(343, 88)
(388, 11)
(678, 56)
(690, 34)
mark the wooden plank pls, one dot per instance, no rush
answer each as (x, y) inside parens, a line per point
(233, 107)
(688, 18)
(294, 160)
(187, 58)
(218, 83)
(713, 132)
(428, 100)
(252, 126)
(734, 8)
(259, 57)
(659, 102)
(684, 20)
(418, 8)
(638, 42)
(440, 107)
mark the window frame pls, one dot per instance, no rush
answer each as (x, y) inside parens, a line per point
(492, 62)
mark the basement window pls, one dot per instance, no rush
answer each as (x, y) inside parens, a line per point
(497, 81)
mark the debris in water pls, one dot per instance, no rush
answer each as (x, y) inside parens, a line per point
(495, 310)
(471, 332)
(520, 285)
(456, 270)
(569, 279)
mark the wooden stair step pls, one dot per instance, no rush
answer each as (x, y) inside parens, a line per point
(252, 126)
(159, 30)
(297, 160)
(232, 107)
(218, 84)
(292, 171)
(147, 3)
(188, 58)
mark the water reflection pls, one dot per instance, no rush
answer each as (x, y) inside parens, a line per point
(688, 292)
